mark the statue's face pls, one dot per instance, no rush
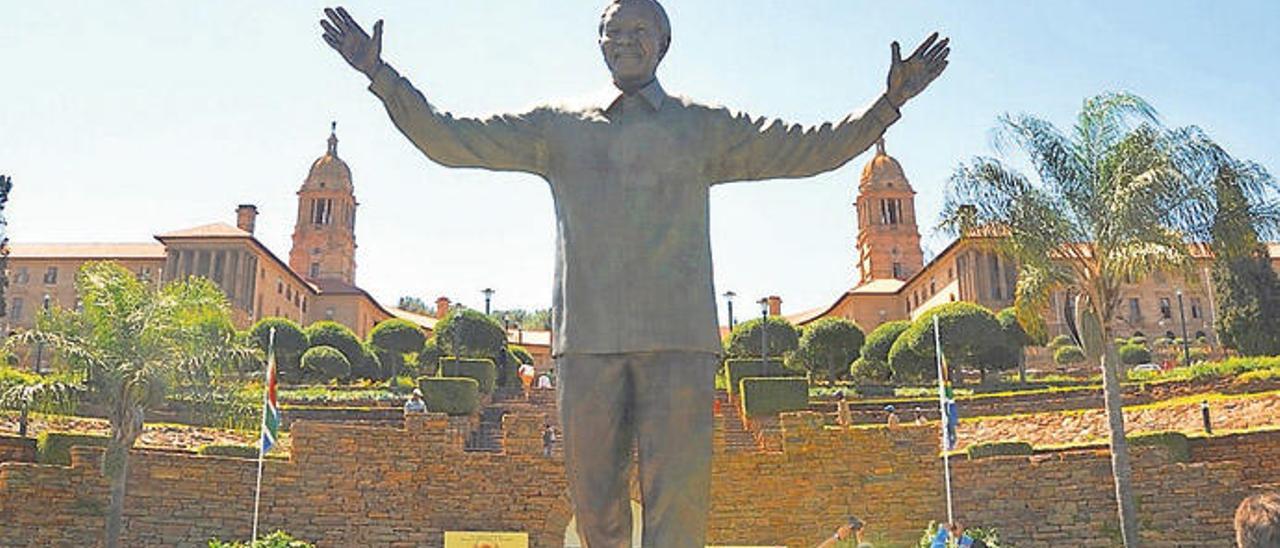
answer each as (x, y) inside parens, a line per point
(631, 41)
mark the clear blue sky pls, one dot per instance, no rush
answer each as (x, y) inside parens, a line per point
(120, 120)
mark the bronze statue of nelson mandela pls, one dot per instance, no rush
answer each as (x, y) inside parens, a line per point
(631, 178)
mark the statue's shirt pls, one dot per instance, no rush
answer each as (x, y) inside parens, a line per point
(631, 182)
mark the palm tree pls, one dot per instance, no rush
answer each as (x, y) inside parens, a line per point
(134, 341)
(1117, 198)
(39, 395)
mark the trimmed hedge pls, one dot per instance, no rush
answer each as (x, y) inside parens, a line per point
(228, 450)
(999, 449)
(325, 363)
(484, 372)
(764, 396)
(452, 395)
(55, 447)
(1134, 354)
(291, 342)
(1177, 443)
(1068, 355)
(341, 337)
(736, 370)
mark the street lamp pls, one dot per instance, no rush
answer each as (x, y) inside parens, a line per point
(488, 294)
(1186, 346)
(764, 331)
(728, 297)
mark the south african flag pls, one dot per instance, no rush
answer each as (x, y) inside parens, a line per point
(270, 409)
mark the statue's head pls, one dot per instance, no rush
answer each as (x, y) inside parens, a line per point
(634, 36)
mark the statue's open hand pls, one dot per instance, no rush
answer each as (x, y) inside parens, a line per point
(356, 46)
(907, 78)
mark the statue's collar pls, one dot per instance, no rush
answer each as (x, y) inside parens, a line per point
(653, 95)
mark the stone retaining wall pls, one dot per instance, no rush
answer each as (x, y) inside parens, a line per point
(352, 485)
(16, 449)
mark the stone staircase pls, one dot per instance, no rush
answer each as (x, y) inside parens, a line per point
(728, 419)
(487, 437)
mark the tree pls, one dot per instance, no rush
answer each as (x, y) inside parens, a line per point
(415, 305)
(1116, 198)
(1248, 298)
(827, 347)
(134, 341)
(970, 337)
(323, 363)
(744, 341)
(470, 334)
(290, 343)
(872, 364)
(6, 185)
(342, 338)
(528, 320)
(1016, 339)
(392, 339)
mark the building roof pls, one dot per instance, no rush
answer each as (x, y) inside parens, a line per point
(211, 230)
(882, 167)
(145, 250)
(881, 286)
(426, 322)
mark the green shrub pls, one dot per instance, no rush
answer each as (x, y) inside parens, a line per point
(744, 341)
(278, 539)
(736, 370)
(869, 371)
(1068, 355)
(324, 363)
(1179, 448)
(1059, 342)
(970, 335)
(1138, 340)
(1261, 375)
(429, 358)
(999, 448)
(827, 347)
(336, 335)
(762, 396)
(55, 447)
(10, 376)
(484, 372)
(392, 339)
(521, 353)
(1133, 354)
(452, 395)
(291, 342)
(470, 334)
(228, 450)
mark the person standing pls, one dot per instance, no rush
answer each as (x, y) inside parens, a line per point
(415, 403)
(631, 177)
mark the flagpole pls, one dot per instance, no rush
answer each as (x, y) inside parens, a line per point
(942, 408)
(257, 491)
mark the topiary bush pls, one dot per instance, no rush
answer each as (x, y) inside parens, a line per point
(333, 334)
(970, 336)
(1140, 341)
(1068, 355)
(55, 447)
(872, 364)
(1059, 342)
(228, 450)
(429, 358)
(827, 347)
(521, 353)
(1176, 442)
(324, 363)
(744, 341)
(278, 539)
(470, 334)
(999, 448)
(736, 370)
(767, 396)
(452, 395)
(391, 340)
(291, 342)
(1133, 354)
(484, 372)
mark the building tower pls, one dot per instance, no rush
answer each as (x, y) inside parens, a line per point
(324, 239)
(888, 240)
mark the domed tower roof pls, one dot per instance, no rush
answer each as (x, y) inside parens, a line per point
(883, 170)
(329, 171)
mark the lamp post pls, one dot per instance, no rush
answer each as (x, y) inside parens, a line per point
(1182, 315)
(764, 331)
(728, 297)
(40, 346)
(488, 295)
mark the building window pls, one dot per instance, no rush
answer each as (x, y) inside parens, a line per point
(1135, 311)
(322, 211)
(1195, 307)
(22, 276)
(279, 286)
(1166, 310)
(51, 276)
(144, 274)
(288, 293)
(898, 273)
(890, 211)
(328, 313)
(995, 278)
(16, 309)
(304, 305)
(315, 270)
(933, 286)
